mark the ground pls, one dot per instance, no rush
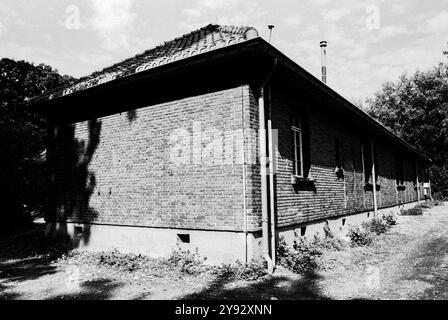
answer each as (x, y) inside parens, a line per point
(410, 261)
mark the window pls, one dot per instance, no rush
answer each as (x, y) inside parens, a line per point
(399, 176)
(338, 149)
(366, 160)
(296, 128)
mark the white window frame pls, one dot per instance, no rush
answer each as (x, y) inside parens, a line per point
(298, 132)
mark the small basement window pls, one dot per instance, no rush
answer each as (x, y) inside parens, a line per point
(183, 237)
(78, 230)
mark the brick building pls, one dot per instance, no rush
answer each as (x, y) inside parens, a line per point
(166, 148)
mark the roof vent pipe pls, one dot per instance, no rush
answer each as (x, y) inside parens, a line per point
(323, 50)
(270, 27)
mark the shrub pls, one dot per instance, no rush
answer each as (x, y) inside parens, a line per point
(390, 219)
(360, 236)
(122, 261)
(253, 270)
(376, 225)
(329, 243)
(416, 211)
(303, 257)
(186, 261)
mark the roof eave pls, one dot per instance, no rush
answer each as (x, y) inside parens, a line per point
(333, 94)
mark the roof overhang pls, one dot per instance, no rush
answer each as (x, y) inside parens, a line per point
(242, 63)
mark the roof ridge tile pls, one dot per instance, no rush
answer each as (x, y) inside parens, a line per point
(206, 38)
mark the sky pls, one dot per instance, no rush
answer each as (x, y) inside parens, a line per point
(369, 41)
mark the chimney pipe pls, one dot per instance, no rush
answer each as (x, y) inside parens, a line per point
(270, 27)
(323, 50)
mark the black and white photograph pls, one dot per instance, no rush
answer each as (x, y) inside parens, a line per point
(224, 155)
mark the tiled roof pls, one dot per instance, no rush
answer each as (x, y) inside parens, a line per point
(208, 38)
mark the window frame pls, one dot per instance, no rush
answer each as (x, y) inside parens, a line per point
(296, 131)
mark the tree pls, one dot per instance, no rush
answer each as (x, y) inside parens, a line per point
(22, 133)
(416, 108)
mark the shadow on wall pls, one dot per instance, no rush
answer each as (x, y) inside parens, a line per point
(71, 183)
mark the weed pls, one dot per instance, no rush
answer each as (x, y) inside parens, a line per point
(253, 270)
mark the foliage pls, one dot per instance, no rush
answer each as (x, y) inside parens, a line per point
(438, 175)
(22, 133)
(180, 261)
(360, 236)
(329, 243)
(253, 270)
(126, 262)
(306, 256)
(121, 261)
(416, 211)
(186, 261)
(377, 226)
(390, 219)
(364, 234)
(416, 108)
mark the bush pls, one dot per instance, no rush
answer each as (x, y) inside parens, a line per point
(376, 225)
(180, 260)
(390, 219)
(360, 236)
(186, 261)
(416, 211)
(302, 258)
(329, 243)
(122, 261)
(253, 270)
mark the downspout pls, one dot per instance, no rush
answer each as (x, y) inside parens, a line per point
(263, 176)
(243, 153)
(416, 181)
(430, 186)
(375, 204)
(272, 162)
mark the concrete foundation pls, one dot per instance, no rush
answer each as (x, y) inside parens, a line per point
(217, 246)
(339, 226)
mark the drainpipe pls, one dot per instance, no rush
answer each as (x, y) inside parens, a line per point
(243, 153)
(263, 171)
(375, 205)
(430, 186)
(417, 182)
(271, 152)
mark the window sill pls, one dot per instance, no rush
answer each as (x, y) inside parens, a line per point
(369, 187)
(298, 179)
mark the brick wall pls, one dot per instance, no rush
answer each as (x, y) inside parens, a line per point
(119, 169)
(329, 196)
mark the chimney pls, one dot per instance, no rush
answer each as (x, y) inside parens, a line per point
(270, 27)
(323, 50)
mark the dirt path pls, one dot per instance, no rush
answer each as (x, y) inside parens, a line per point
(408, 262)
